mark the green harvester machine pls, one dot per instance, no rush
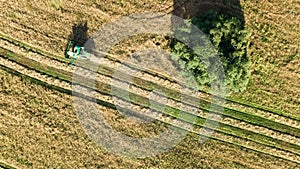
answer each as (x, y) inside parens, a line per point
(73, 52)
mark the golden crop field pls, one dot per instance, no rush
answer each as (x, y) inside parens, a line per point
(40, 126)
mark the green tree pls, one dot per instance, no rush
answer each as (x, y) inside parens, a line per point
(229, 38)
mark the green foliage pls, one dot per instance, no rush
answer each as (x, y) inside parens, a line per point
(230, 41)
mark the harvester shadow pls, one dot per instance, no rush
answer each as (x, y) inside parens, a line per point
(78, 36)
(79, 33)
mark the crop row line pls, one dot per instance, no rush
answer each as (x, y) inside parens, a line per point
(6, 166)
(112, 106)
(165, 77)
(235, 114)
(171, 111)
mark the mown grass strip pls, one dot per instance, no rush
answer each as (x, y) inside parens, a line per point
(253, 119)
(246, 117)
(165, 77)
(262, 108)
(173, 112)
(69, 92)
(58, 58)
(6, 166)
(141, 101)
(199, 103)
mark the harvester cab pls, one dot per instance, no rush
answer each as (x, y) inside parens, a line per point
(73, 52)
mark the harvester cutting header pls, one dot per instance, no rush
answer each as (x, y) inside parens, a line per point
(74, 51)
(77, 39)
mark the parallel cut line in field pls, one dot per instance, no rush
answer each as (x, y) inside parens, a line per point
(259, 107)
(206, 110)
(167, 78)
(231, 111)
(183, 119)
(225, 120)
(107, 89)
(187, 103)
(267, 113)
(67, 91)
(4, 165)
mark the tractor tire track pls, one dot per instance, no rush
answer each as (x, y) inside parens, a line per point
(172, 103)
(226, 120)
(37, 76)
(223, 138)
(258, 112)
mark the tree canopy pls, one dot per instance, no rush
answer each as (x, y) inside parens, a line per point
(230, 40)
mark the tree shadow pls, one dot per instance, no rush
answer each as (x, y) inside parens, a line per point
(194, 8)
